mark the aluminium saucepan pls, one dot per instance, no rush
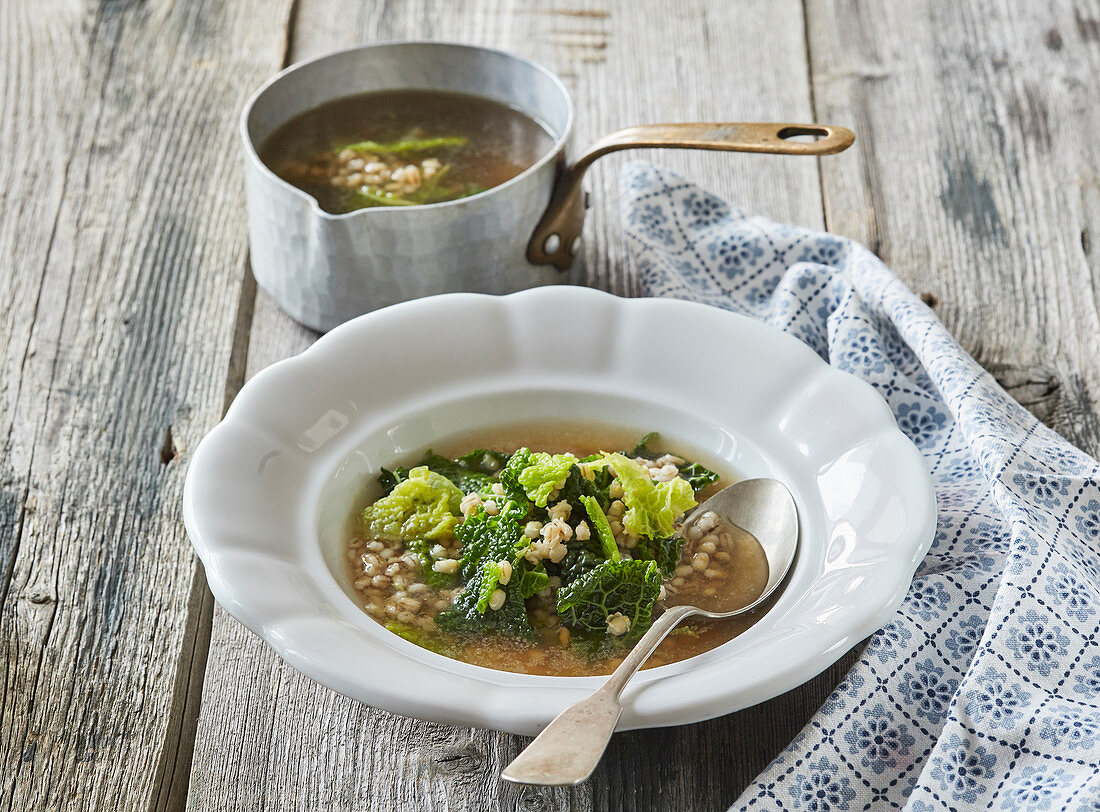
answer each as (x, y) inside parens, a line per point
(325, 268)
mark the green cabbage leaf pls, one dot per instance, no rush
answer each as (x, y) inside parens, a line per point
(528, 579)
(422, 638)
(540, 476)
(651, 507)
(426, 505)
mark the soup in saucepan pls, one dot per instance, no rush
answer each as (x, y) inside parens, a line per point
(544, 550)
(403, 148)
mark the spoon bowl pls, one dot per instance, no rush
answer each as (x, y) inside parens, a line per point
(760, 511)
(569, 748)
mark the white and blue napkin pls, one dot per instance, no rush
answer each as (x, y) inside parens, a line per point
(984, 691)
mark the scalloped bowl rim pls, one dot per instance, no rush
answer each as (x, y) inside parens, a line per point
(319, 630)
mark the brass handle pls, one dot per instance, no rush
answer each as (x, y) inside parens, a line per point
(554, 238)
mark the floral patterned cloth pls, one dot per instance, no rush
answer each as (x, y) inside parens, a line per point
(984, 691)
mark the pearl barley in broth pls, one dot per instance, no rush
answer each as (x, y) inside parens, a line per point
(518, 548)
(393, 148)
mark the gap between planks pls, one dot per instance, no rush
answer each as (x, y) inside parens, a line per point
(176, 762)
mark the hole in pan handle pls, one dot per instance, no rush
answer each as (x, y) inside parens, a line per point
(554, 239)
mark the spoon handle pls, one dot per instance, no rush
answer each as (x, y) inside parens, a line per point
(570, 747)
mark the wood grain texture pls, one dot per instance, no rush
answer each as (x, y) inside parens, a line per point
(119, 286)
(292, 744)
(976, 176)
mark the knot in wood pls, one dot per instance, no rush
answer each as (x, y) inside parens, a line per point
(462, 759)
(534, 799)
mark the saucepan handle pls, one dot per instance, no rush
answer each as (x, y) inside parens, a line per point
(554, 240)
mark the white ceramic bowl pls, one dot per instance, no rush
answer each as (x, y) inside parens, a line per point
(271, 488)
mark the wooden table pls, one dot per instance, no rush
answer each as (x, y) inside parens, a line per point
(131, 320)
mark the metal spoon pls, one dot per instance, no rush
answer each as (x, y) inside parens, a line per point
(570, 747)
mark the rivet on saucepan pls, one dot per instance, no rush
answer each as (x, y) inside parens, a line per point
(552, 244)
(575, 248)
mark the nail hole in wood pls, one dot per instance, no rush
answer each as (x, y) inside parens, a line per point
(168, 450)
(930, 299)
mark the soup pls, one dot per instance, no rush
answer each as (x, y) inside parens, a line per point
(530, 549)
(403, 148)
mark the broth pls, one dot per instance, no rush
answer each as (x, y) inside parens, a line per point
(403, 148)
(744, 571)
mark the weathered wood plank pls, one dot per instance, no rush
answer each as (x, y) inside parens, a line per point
(295, 745)
(976, 176)
(123, 248)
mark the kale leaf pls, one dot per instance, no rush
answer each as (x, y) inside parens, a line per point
(698, 476)
(488, 541)
(528, 579)
(493, 538)
(388, 479)
(470, 472)
(642, 449)
(421, 549)
(489, 580)
(578, 561)
(577, 486)
(584, 556)
(464, 617)
(509, 478)
(629, 587)
(483, 460)
(666, 552)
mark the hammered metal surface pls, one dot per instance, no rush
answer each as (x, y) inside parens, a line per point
(324, 269)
